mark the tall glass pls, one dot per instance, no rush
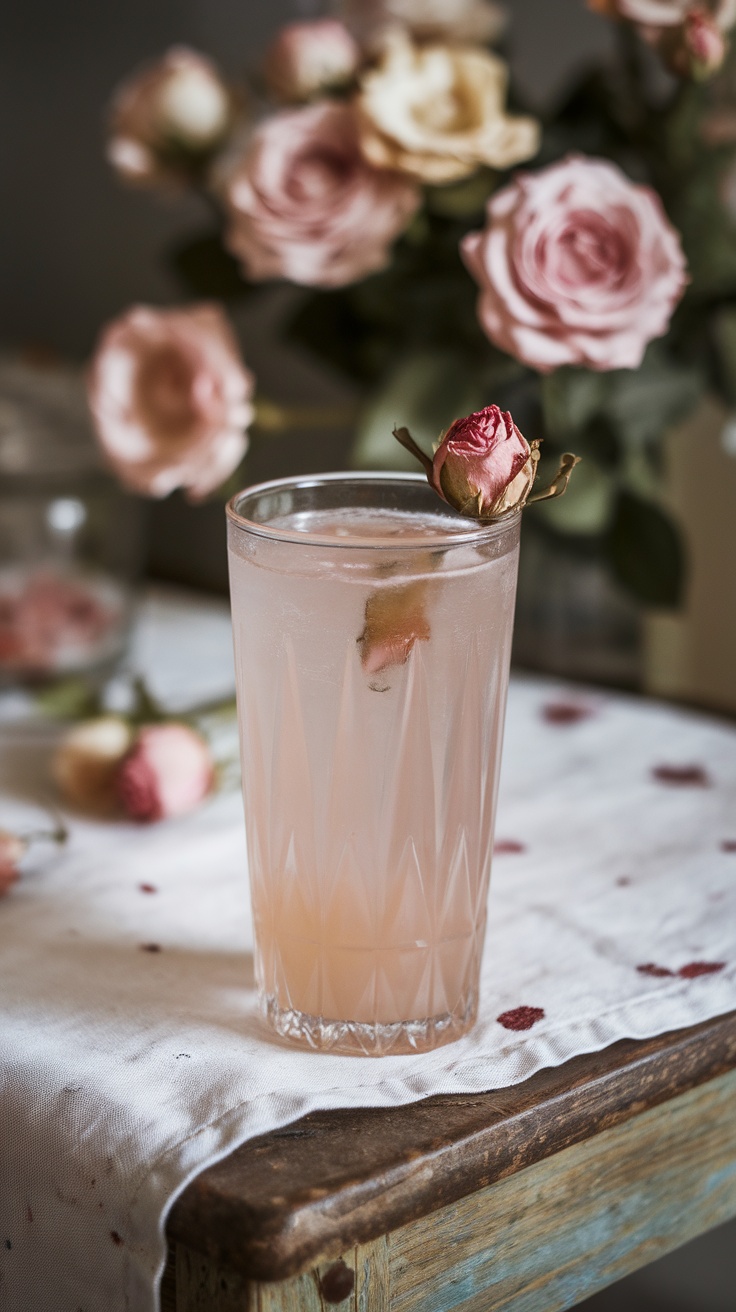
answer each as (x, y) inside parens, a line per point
(372, 631)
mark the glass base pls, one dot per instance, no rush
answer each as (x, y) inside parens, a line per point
(357, 1039)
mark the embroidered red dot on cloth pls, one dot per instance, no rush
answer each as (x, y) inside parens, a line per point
(132, 1051)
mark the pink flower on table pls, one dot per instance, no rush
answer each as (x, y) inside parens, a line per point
(87, 760)
(167, 117)
(168, 772)
(171, 399)
(483, 465)
(305, 205)
(306, 58)
(576, 266)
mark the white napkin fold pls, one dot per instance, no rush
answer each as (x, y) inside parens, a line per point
(131, 1052)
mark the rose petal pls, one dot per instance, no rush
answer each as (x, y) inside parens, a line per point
(520, 1018)
(681, 776)
(694, 969)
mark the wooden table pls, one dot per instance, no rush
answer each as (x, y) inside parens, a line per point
(530, 1198)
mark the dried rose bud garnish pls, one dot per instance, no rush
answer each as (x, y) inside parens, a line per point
(394, 622)
(484, 467)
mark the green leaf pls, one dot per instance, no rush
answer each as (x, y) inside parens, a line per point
(206, 269)
(587, 506)
(646, 552)
(661, 393)
(145, 708)
(424, 393)
(69, 699)
(462, 200)
(724, 333)
(570, 399)
(329, 325)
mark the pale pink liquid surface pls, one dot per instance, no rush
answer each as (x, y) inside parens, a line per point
(370, 797)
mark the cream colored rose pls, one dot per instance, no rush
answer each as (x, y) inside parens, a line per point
(438, 112)
(305, 59)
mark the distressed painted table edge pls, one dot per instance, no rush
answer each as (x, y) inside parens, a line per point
(539, 1240)
(261, 1215)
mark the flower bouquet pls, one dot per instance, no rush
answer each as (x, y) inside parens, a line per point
(452, 251)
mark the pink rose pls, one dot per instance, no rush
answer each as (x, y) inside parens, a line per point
(576, 265)
(86, 762)
(171, 399)
(168, 771)
(306, 58)
(8, 876)
(305, 205)
(696, 48)
(167, 117)
(485, 468)
(704, 43)
(482, 462)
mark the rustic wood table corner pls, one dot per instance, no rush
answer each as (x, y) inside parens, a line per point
(529, 1198)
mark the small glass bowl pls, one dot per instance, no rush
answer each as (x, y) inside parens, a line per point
(70, 539)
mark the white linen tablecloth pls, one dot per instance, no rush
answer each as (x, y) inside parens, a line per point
(131, 1052)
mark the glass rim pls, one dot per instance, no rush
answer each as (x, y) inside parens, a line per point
(478, 533)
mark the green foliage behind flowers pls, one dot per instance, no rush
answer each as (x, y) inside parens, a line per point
(415, 338)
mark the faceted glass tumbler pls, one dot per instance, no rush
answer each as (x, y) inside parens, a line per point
(372, 629)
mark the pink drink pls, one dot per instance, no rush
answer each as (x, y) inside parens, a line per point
(372, 651)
